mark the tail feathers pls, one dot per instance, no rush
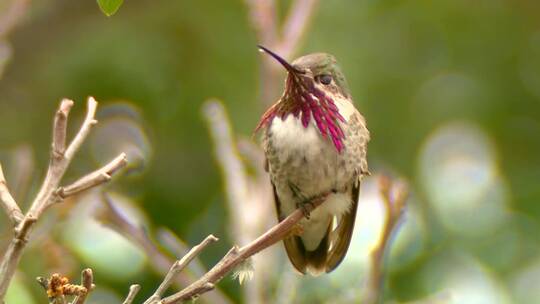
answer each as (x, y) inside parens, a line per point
(341, 236)
(332, 247)
(314, 262)
(324, 258)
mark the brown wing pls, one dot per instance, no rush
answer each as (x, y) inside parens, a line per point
(341, 236)
(293, 244)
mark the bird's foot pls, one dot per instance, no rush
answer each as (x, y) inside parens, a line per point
(306, 206)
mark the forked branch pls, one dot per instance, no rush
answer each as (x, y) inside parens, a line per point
(87, 282)
(236, 256)
(50, 192)
(93, 179)
(158, 260)
(177, 267)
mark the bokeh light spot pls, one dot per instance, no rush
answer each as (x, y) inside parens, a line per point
(459, 172)
(107, 251)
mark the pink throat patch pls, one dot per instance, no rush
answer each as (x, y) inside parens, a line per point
(304, 102)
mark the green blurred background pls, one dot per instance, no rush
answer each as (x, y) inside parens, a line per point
(450, 90)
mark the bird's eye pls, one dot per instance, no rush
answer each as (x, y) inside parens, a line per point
(325, 79)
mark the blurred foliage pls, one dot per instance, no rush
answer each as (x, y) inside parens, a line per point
(449, 87)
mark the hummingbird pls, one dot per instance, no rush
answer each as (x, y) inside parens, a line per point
(315, 145)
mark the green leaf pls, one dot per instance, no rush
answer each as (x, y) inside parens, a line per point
(109, 7)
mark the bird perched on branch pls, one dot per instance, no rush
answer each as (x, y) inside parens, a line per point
(315, 142)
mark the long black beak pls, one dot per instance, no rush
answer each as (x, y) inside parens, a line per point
(283, 62)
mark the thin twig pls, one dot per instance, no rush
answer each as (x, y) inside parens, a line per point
(113, 218)
(59, 161)
(88, 122)
(263, 19)
(60, 123)
(232, 168)
(394, 205)
(262, 15)
(133, 290)
(12, 16)
(93, 179)
(177, 267)
(246, 193)
(157, 259)
(87, 281)
(236, 255)
(8, 203)
(295, 26)
(173, 244)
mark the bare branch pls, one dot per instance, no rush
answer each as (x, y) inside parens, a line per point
(58, 164)
(262, 14)
(113, 218)
(236, 255)
(60, 159)
(246, 193)
(12, 16)
(21, 232)
(173, 244)
(8, 203)
(295, 26)
(60, 130)
(88, 122)
(232, 168)
(158, 260)
(178, 266)
(133, 290)
(93, 179)
(263, 19)
(87, 281)
(395, 205)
